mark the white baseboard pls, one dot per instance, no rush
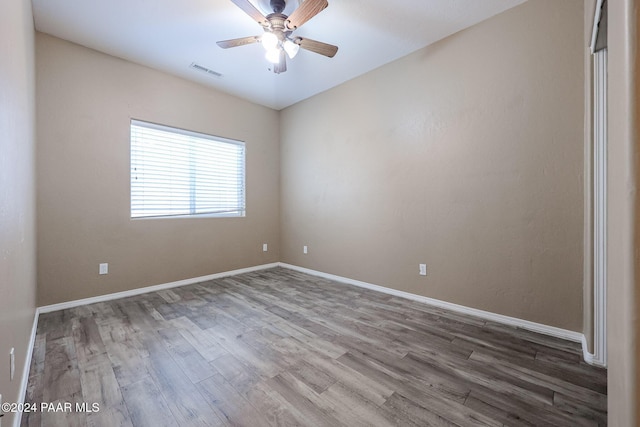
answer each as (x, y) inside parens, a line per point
(499, 318)
(108, 297)
(591, 358)
(26, 370)
(586, 355)
(147, 289)
(487, 315)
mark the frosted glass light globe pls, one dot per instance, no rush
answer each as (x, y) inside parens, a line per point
(269, 41)
(273, 56)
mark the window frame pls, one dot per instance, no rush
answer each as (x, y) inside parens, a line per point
(240, 213)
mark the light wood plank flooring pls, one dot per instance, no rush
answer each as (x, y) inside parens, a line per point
(281, 348)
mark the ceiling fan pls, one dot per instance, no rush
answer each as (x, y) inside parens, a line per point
(277, 39)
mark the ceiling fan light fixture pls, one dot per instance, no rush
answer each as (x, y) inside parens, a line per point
(270, 41)
(278, 26)
(291, 48)
(273, 55)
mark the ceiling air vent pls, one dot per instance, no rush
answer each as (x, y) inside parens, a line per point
(204, 69)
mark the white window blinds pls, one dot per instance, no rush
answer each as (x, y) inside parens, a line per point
(181, 173)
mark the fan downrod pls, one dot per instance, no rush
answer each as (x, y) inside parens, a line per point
(278, 5)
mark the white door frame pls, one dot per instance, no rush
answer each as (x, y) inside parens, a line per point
(599, 356)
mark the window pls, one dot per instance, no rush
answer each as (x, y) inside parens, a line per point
(175, 172)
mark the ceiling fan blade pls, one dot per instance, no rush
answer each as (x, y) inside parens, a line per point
(317, 47)
(307, 10)
(250, 10)
(281, 66)
(226, 44)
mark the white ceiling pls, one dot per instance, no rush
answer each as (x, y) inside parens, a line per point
(169, 35)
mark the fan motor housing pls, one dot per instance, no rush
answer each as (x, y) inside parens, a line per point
(277, 23)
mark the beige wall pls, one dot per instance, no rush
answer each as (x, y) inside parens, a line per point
(17, 190)
(84, 104)
(623, 248)
(467, 156)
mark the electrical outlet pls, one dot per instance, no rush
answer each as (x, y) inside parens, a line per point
(104, 268)
(423, 269)
(12, 363)
(264, 247)
(304, 250)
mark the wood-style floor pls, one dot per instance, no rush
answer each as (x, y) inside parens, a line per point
(277, 347)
